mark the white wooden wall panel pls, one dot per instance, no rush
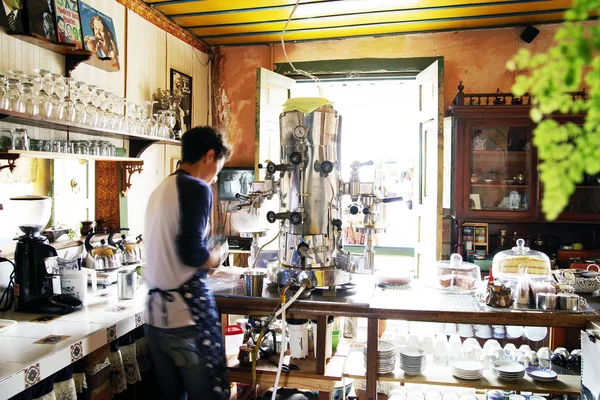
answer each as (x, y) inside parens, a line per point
(147, 52)
(23, 56)
(202, 88)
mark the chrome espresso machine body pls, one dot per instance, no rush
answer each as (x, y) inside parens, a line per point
(310, 191)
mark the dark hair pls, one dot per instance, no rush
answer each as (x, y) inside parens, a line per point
(196, 142)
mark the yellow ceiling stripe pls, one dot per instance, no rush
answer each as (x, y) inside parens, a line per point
(386, 29)
(349, 20)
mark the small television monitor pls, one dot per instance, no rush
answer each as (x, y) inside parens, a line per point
(234, 180)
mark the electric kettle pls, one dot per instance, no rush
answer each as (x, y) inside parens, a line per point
(103, 257)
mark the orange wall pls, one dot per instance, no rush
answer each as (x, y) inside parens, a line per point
(477, 58)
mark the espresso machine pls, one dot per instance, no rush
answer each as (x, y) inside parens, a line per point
(36, 262)
(310, 191)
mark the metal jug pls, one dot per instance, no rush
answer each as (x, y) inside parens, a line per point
(103, 257)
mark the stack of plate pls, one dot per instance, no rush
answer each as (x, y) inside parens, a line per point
(386, 357)
(467, 369)
(542, 374)
(508, 370)
(412, 360)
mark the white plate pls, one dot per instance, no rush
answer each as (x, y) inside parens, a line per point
(508, 367)
(468, 366)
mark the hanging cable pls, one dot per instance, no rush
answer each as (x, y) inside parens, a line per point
(311, 76)
(8, 296)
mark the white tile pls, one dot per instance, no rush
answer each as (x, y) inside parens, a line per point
(9, 368)
(23, 350)
(54, 362)
(56, 327)
(13, 384)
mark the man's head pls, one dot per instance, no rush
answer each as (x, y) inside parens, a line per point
(14, 4)
(204, 150)
(61, 26)
(98, 28)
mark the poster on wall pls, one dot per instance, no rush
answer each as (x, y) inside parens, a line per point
(41, 18)
(68, 27)
(181, 85)
(13, 16)
(99, 33)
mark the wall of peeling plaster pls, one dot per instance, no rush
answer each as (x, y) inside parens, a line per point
(476, 57)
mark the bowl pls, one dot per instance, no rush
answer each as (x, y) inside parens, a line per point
(337, 393)
(535, 333)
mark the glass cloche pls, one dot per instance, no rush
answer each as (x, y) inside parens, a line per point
(509, 264)
(457, 275)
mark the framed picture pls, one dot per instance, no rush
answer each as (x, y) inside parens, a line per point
(235, 180)
(98, 33)
(475, 202)
(181, 84)
(68, 25)
(41, 19)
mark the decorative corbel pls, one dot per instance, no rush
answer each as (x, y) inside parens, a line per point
(10, 158)
(128, 168)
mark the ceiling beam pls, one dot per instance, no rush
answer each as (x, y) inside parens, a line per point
(164, 23)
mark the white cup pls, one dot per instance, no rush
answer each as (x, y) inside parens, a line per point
(449, 329)
(509, 348)
(483, 331)
(75, 282)
(465, 330)
(491, 345)
(298, 340)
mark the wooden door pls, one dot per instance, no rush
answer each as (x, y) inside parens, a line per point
(272, 90)
(428, 176)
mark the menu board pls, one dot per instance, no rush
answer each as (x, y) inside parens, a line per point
(68, 26)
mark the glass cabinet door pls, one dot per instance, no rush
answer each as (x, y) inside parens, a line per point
(584, 203)
(501, 176)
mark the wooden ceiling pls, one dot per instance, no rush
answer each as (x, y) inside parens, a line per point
(241, 22)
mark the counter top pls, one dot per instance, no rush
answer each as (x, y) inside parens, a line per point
(25, 349)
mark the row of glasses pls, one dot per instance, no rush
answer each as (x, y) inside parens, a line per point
(52, 96)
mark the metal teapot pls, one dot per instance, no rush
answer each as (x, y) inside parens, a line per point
(131, 249)
(103, 257)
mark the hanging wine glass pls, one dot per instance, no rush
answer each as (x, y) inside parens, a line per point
(129, 117)
(3, 81)
(43, 105)
(90, 109)
(148, 121)
(67, 110)
(13, 95)
(118, 104)
(138, 124)
(27, 99)
(80, 113)
(170, 121)
(163, 128)
(99, 100)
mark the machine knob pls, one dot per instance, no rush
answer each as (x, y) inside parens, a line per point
(354, 209)
(271, 217)
(295, 218)
(238, 207)
(296, 158)
(271, 167)
(326, 167)
(366, 211)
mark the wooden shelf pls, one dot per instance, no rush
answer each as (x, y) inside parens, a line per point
(566, 384)
(66, 156)
(40, 122)
(74, 56)
(306, 377)
(502, 185)
(502, 152)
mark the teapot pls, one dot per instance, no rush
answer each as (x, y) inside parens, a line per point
(131, 249)
(103, 257)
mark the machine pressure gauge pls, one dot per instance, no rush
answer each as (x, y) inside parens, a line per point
(299, 132)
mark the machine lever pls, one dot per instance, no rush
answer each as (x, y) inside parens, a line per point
(391, 199)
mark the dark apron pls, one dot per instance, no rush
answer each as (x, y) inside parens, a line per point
(201, 303)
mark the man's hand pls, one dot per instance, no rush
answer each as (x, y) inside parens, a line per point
(214, 260)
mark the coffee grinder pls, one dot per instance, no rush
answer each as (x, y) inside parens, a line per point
(36, 262)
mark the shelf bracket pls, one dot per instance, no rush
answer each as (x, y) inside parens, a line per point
(10, 158)
(128, 168)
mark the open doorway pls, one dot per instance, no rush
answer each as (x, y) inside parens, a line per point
(378, 124)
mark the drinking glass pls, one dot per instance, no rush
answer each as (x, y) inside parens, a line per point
(130, 117)
(43, 103)
(6, 136)
(27, 100)
(90, 109)
(80, 114)
(118, 104)
(20, 140)
(170, 121)
(67, 110)
(13, 95)
(3, 81)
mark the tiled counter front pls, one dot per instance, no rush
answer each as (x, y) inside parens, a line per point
(40, 345)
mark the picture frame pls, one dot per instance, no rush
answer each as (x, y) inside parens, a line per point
(234, 180)
(475, 202)
(181, 84)
(98, 33)
(68, 23)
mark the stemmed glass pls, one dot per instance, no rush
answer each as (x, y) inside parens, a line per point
(27, 100)
(43, 105)
(148, 121)
(90, 109)
(101, 120)
(118, 103)
(3, 81)
(67, 110)
(80, 113)
(13, 95)
(59, 89)
(170, 122)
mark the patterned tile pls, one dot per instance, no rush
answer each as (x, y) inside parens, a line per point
(111, 333)
(76, 351)
(32, 375)
(138, 319)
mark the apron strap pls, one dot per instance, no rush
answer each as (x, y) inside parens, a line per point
(165, 296)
